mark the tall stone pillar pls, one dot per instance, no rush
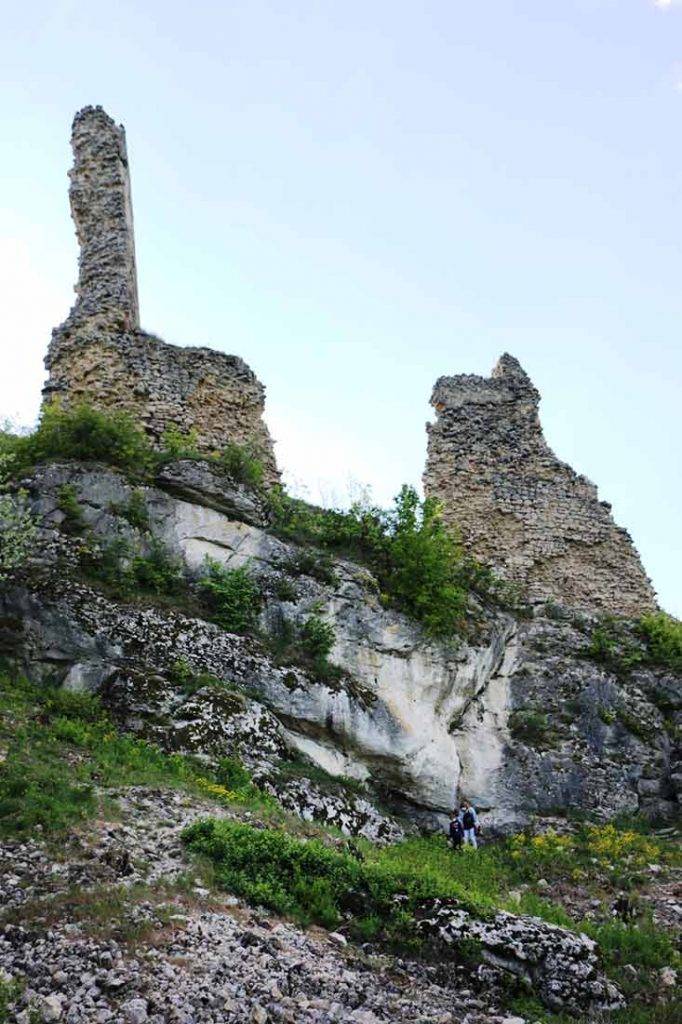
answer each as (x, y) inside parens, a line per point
(103, 215)
(100, 357)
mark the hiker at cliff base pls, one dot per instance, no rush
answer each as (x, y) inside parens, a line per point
(469, 822)
(455, 830)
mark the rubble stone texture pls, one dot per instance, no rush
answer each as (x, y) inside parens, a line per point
(100, 356)
(518, 507)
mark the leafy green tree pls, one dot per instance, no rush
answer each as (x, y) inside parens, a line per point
(242, 463)
(423, 571)
(317, 638)
(418, 560)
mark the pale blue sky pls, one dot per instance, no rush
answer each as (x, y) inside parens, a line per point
(358, 197)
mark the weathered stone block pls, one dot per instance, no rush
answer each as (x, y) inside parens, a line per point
(202, 483)
(561, 966)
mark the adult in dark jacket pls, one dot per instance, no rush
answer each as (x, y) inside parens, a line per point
(469, 822)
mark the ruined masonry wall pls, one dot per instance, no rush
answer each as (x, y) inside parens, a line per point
(164, 386)
(100, 356)
(102, 212)
(517, 506)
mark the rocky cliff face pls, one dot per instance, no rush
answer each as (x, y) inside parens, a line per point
(518, 719)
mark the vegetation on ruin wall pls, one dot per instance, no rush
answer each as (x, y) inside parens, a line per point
(82, 433)
(421, 567)
(114, 438)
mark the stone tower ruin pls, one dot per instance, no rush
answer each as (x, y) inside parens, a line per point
(101, 357)
(517, 507)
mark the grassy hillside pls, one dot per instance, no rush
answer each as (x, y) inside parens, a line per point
(60, 753)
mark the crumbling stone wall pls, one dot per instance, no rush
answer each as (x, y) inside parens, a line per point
(518, 507)
(102, 212)
(100, 356)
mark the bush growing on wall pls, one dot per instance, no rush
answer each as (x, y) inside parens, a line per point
(80, 433)
(178, 445)
(114, 438)
(663, 635)
(73, 522)
(317, 638)
(420, 565)
(233, 596)
(157, 571)
(419, 562)
(242, 464)
(424, 573)
(623, 645)
(128, 572)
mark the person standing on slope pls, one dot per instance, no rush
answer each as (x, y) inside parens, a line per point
(470, 826)
(456, 833)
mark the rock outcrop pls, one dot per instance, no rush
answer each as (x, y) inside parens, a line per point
(518, 508)
(561, 966)
(101, 357)
(517, 718)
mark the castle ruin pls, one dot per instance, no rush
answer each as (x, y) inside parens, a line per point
(519, 508)
(100, 356)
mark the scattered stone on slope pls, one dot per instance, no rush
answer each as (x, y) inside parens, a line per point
(561, 966)
(186, 956)
(181, 953)
(353, 815)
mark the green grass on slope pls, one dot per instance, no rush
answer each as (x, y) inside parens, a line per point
(313, 884)
(601, 859)
(9, 991)
(59, 748)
